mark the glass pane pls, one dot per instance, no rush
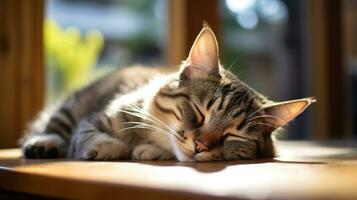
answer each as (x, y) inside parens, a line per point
(263, 43)
(86, 39)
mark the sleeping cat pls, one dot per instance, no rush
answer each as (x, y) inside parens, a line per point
(202, 112)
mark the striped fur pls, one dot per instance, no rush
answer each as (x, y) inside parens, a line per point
(201, 112)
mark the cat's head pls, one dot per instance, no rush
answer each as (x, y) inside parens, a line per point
(214, 116)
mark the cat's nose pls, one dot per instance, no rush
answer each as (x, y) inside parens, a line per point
(200, 147)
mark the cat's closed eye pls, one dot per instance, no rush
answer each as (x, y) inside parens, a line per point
(194, 122)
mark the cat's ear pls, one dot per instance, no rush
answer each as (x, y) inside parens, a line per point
(203, 57)
(278, 114)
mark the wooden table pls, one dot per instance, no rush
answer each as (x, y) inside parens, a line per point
(302, 170)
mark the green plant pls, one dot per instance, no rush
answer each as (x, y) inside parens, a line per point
(70, 58)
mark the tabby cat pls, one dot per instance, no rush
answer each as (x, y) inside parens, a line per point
(201, 112)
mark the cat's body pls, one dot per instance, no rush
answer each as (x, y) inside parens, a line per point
(200, 112)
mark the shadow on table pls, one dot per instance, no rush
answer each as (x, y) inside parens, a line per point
(215, 166)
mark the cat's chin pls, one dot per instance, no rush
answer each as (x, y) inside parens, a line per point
(181, 153)
(185, 155)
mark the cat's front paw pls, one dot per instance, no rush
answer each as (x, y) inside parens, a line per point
(104, 147)
(44, 146)
(150, 152)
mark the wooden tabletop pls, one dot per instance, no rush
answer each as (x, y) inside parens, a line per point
(302, 170)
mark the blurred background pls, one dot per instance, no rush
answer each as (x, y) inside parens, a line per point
(86, 39)
(285, 49)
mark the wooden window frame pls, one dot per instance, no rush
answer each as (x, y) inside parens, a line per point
(326, 46)
(186, 18)
(22, 72)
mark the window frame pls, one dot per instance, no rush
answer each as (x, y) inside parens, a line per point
(22, 72)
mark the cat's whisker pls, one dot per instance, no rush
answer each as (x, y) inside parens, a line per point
(177, 137)
(138, 114)
(145, 125)
(253, 113)
(230, 66)
(264, 116)
(169, 133)
(149, 117)
(153, 118)
(160, 122)
(260, 123)
(142, 125)
(139, 125)
(128, 128)
(139, 110)
(219, 88)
